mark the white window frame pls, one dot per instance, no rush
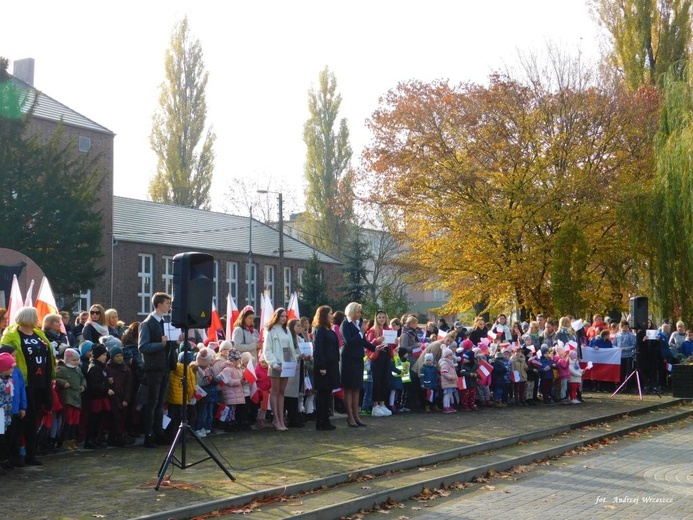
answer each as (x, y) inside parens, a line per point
(287, 285)
(146, 277)
(167, 275)
(251, 278)
(301, 275)
(83, 302)
(268, 281)
(232, 281)
(215, 281)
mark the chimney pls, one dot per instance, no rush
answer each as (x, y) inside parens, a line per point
(24, 70)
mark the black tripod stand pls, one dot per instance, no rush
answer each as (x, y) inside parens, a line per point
(184, 429)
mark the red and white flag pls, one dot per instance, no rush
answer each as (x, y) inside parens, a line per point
(571, 345)
(199, 392)
(251, 379)
(606, 364)
(338, 392)
(45, 303)
(266, 311)
(15, 302)
(292, 312)
(461, 383)
(484, 369)
(232, 314)
(28, 300)
(215, 325)
(491, 335)
(668, 366)
(515, 376)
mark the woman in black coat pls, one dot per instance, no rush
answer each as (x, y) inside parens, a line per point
(325, 365)
(353, 334)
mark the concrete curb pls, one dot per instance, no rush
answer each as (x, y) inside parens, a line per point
(191, 511)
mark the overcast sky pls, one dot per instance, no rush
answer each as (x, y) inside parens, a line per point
(105, 60)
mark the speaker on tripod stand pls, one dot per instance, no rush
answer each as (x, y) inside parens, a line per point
(193, 276)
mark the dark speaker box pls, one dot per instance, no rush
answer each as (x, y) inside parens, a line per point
(638, 312)
(193, 281)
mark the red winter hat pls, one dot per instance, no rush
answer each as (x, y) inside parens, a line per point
(6, 361)
(467, 344)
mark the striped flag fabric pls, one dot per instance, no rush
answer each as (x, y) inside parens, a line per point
(45, 303)
(606, 364)
(338, 392)
(232, 314)
(292, 312)
(668, 366)
(461, 383)
(485, 368)
(215, 325)
(15, 302)
(28, 299)
(515, 376)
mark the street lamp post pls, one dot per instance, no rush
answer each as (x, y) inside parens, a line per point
(280, 277)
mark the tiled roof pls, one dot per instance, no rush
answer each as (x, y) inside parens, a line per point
(193, 229)
(52, 110)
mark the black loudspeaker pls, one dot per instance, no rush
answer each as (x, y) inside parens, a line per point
(638, 313)
(193, 280)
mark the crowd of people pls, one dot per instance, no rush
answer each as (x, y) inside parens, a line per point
(97, 382)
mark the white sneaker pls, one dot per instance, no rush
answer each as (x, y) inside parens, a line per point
(574, 401)
(386, 411)
(201, 433)
(377, 411)
(208, 431)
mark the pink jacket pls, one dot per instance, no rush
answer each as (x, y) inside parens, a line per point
(448, 375)
(232, 389)
(562, 367)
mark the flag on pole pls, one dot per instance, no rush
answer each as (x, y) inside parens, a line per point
(292, 312)
(232, 314)
(45, 303)
(215, 325)
(606, 364)
(15, 302)
(28, 300)
(266, 311)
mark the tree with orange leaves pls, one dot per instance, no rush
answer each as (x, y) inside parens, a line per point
(484, 178)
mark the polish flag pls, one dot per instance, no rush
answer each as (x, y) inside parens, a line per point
(668, 366)
(571, 345)
(461, 383)
(491, 335)
(606, 364)
(338, 392)
(515, 376)
(484, 369)
(15, 302)
(292, 312)
(442, 334)
(45, 303)
(28, 301)
(232, 314)
(266, 311)
(251, 379)
(215, 325)
(199, 392)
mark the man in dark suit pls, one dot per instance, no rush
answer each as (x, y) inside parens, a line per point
(156, 353)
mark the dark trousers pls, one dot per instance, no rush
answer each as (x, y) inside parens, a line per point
(380, 369)
(157, 391)
(322, 407)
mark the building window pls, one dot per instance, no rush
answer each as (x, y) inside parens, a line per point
(167, 277)
(232, 281)
(301, 279)
(145, 275)
(83, 301)
(252, 285)
(215, 287)
(269, 281)
(287, 285)
(84, 144)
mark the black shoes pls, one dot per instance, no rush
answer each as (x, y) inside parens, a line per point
(325, 426)
(149, 441)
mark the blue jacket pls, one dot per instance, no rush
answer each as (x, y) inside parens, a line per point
(428, 375)
(19, 399)
(600, 343)
(687, 348)
(547, 366)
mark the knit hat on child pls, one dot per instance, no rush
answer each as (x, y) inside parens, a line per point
(544, 348)
(71, 354)
(204, 357)
(225, 345)
(6, 361)
(429, 357)
(447, 352)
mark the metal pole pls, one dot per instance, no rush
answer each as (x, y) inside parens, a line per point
(250, 254)
(281, 251)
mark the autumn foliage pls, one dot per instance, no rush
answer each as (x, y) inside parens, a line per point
(485, 177)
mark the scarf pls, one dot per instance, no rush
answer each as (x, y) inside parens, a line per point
(101, 329)
(411, 332)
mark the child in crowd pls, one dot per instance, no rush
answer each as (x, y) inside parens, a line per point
(121, 375)
(428, 377)
(19, 404)
(231, 377)
(395, 381)
(687, 346)
(263, 387)
(519, 367)
(507, 379)
(483, 389)
(204, 378)
(175, 394)
(367, 403)
(562, 367)
(575, 377)
(71, 383)
(533, 367)
(406, 382)
(249, 409)
(498, 379)
(99, 391)
(546, 373)
(448, 380)
(468, 371)
(7, 366)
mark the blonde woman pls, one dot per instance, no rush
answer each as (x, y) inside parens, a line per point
(112, 323)
(353, 332)
(96, 324)
(279, 349)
